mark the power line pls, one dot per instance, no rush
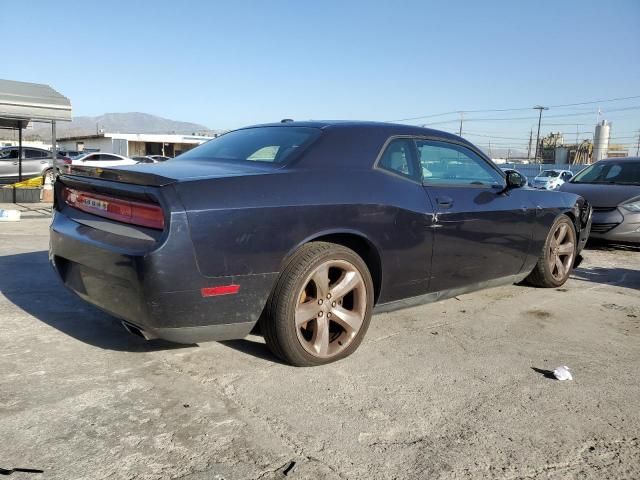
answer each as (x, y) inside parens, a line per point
(606, 100)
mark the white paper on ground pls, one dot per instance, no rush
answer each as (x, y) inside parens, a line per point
(9, 215)
(562, 373)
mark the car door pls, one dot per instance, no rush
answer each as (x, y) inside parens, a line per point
(481, 231)
(111, 160)
(91, 160)
(34, 161)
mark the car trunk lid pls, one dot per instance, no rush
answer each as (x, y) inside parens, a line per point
(171, 171)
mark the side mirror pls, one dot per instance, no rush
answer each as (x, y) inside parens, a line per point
(515, 180)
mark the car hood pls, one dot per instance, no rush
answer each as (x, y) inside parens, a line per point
(171, 171)
(602, 195)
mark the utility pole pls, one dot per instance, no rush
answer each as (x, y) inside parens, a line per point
(529, 149)
(540, 108)
(461, 117)
(638, 147)
(490, 156)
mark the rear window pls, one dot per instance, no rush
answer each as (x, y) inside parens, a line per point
(260, 144)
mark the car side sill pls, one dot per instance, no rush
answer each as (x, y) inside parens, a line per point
(444, 294)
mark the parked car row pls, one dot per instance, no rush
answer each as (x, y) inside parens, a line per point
(39, 162)
(35, 162)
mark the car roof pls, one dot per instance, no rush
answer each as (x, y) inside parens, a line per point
(396, 128)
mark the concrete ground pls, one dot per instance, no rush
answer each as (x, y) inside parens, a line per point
(453, 390)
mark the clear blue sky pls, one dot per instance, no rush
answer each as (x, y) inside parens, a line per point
(228, 64)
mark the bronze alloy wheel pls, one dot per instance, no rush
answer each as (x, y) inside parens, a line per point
(331, 308)
(562, 250)
(320, 308)
(557, 257)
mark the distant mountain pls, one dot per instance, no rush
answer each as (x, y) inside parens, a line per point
(133, 122)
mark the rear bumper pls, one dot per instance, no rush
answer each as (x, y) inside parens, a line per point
(154, 285)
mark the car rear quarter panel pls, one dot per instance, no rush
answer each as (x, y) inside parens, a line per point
(250, 225)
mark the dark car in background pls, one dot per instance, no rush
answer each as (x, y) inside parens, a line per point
(36, 162)
(303, 229)
(612, 187)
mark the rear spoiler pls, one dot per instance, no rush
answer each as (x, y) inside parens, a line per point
(117, 175)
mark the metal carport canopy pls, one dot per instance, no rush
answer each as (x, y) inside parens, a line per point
(22, 102)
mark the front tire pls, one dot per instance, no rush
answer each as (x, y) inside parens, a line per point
(321, 306)
(557, 257)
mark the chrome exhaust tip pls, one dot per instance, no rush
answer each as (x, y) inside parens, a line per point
(137, 331)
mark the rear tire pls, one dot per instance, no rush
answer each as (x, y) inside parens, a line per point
(557, 257)
(320, 308)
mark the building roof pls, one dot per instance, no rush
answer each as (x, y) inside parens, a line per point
(142, 137)
(22, 102)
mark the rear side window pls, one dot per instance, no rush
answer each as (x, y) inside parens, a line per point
(398, 158)
(259, 144)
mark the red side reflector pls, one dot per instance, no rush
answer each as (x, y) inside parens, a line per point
(127, 211)
(221, 290)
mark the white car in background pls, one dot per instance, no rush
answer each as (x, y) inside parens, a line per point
(551, 179)
(100, 159)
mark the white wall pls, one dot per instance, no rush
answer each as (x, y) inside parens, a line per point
(102, 144)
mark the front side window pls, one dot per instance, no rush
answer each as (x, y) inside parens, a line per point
(9, 154)
(258, 144)
(398, 158)
(450, 164)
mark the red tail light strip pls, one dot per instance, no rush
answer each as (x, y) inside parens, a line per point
(127, 211)
(221, 290)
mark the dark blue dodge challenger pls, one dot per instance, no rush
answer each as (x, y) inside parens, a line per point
(301, 230)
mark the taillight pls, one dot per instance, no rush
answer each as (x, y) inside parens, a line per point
(66, 161)
(127, 211)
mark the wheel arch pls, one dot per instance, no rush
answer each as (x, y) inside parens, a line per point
(356, 241)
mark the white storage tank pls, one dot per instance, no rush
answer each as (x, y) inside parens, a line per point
(601, 140)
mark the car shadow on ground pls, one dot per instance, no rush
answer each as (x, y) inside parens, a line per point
(605, 246)
(253, 347)
(28, 281)
(616, 276)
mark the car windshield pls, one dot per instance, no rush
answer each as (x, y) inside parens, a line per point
(258, 144)
(610, 171)
(549, 173)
